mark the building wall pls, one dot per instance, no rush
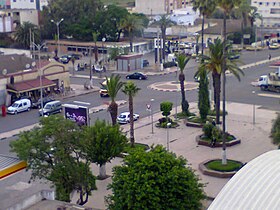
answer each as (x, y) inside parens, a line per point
(29, 16)
(270, 10)
(23, 4)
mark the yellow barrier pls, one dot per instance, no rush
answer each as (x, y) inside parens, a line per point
(12, 169)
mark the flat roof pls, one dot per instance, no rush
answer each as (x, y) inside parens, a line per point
(255, 186)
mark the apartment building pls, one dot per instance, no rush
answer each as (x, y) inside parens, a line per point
(23, 4)
(270, 11)
(159, 7)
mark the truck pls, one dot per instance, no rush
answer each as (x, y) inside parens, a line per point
(270, 81)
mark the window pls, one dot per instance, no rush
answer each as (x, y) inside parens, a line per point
(260, 3)
(14, 0)
(31, 0)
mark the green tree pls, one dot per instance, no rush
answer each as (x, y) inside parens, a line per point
(113, 86)
(182, 62)
(166, 108)
(55, 153)
(227, 6)
(253, 15)
(275, 131)
(22, 34)
(103, 142)
(203, 95)
(131, 24)
(130, 89)
(205, 8)
(163, 23)
(154, 180)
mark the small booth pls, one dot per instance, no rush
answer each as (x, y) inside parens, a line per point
(129, 62)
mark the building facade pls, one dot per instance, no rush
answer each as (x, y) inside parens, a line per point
(23, 4)
(270, 11)
(159, 7)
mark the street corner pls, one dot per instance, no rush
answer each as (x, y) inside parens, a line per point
(173, 86)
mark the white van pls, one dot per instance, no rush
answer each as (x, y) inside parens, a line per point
(19, 106)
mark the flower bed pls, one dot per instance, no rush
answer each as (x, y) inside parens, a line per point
(230, 141)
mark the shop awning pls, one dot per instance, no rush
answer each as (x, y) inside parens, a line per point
(29, 85)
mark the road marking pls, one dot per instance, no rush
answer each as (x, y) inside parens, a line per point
(269, 95)
(81, 102)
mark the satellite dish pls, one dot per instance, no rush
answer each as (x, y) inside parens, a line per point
(27, 66)
(33, 64)
(4, 71)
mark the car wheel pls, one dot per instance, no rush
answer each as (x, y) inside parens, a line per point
(16, 112)
(60, 110)
(140, 78)
(39, 106)
(127, 78)
(28, 109)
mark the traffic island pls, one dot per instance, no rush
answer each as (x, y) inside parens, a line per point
(202, 140)
(215, 168)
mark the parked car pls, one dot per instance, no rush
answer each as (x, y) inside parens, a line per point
(37, 104)
(52, 107)
(103, 91)
(19, 106)
(136, 75)
(64, 59)
(123, 118)
(73, 55)
(145, 63)
(273, 46)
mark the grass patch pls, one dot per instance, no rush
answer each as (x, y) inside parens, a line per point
(228, 138)
(196, 119)
(122, 3)
(128, 149)
(184, 115)
(216, 165)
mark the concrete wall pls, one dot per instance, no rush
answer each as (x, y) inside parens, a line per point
(152, 7)
(33, 199)
(29, 16)
(23, 4)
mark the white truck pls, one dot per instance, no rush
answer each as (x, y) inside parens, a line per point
(270, 81)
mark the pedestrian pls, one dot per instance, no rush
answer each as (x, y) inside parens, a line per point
(78, 67)
(269, 56)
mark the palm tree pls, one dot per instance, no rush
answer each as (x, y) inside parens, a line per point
(163, 23)
(227, 6)
(253, 15)
(22, 34)
(213, 64)
(206, 8)
(95, 37)
(131, 24)
(182, 62)
(130, 89)
(113, 85)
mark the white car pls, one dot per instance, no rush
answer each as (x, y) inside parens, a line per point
(123, 118)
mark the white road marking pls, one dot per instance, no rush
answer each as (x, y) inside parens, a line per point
(269, 95)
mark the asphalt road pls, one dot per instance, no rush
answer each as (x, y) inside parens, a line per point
(236, 91)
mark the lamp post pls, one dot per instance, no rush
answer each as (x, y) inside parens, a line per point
(103, 40)
(57, 28)
(254, 111)
(39, 47)
(152, 115)
(167, 135)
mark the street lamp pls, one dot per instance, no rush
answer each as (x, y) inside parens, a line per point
(103, 40)
(254, 111)
(57, 28)
(39, 47)
(152, 117)
(167, 135)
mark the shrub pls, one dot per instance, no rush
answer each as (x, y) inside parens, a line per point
(207, 129)
(275, 130)
(216, 133)
(166, 108)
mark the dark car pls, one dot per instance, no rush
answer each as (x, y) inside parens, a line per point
(145, 63)
(37, 104)
(64, 59)
(75, 56)
(136, 75)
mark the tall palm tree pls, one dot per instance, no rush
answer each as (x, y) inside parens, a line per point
(95, 37)
(131, 24)
(243, 11)
(253, 15)
(205, 8)
(113, 85)
(163, 23)
(213, 64)
(22, 34)
(227, 6)
(182, 62)
(130, 89)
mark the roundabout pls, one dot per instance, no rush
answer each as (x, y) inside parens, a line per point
(173, 86)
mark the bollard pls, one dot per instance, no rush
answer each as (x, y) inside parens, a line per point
(4, 111)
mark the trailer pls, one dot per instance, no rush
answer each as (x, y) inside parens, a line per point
(270, 81)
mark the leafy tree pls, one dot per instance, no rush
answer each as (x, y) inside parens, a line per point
(131, 24)
(22, 34)
(163, 23)
(182, 62)
(103, 142)
(114, 53)
(275, 130)
(55, 153)
(154, 180)
(203, 95)
(166, 108)
(130, 89)
(206, 8)
(113, 86)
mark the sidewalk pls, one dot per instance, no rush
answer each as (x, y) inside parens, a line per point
(254, 142)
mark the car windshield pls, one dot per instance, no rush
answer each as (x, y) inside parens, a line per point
(15, 105)
(122, 116)
(48, 106)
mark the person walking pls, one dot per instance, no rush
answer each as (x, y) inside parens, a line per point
(269, 56)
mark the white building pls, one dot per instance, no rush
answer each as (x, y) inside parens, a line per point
(159, 7)
(270, 10)
(185, 16)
